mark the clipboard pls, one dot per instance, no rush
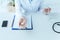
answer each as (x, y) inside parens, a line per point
(29, 25)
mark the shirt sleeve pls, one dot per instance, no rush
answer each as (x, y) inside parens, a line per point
(18, 8)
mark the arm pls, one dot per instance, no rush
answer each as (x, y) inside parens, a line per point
(20, 13)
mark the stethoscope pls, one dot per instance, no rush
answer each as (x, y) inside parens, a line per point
(53, 27)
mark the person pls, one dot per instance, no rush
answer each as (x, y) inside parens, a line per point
(28, 6)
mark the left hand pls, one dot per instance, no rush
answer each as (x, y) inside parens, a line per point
(47, 10)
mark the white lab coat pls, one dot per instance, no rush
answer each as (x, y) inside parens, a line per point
(24, 7)
(31, 6)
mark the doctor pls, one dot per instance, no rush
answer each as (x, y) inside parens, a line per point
(28, 6)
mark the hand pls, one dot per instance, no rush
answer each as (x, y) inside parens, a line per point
(22, 22)
(47, 10)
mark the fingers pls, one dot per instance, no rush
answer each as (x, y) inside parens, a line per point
(47, 10)
(22, 22)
